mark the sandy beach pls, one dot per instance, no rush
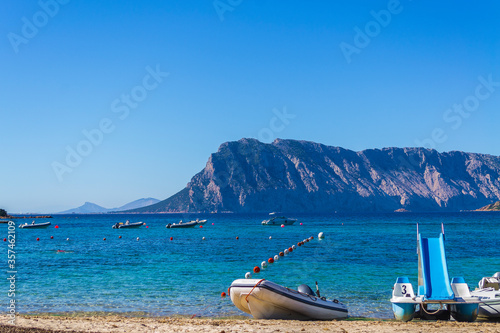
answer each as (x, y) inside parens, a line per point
(115, 323)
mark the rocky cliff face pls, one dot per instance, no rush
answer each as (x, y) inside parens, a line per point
(300, 176)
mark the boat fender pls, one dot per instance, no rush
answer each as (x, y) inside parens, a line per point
(305, 289)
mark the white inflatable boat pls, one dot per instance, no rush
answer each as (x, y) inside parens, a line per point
(267, 300)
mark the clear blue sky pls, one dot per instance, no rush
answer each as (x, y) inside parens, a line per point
(355, 74)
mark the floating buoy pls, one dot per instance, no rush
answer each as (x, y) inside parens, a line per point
(282, 225)
(270, 237)
(67, 239)
(237, 237)
(37, 239)
(263, 264)
(276, 257)
(312, 237)
(290, 249)
(282, 254)
(342, 223)
(223, 294)
(285, 252)
(212, 224)
(104, 238)
(270, 260)
(321, 235)
(147, 226)
(5, 239)
(120, 237)
(294, 247)
(137, 238)
(201, 226)
(248, 275)
(300, 223)
(51, 237)
(57, 227)
(171, 238)
(256, 269)
(299, 243)
(203, 238)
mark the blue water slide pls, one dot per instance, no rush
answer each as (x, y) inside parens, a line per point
(436, 283)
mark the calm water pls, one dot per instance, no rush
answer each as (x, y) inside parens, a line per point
(357, 262)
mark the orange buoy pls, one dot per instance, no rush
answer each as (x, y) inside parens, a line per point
(256, 269)
(120, 237)
(290, 249)
(237, 237)
(104, 238)
(171, 238)
(223, 294)
(201, 226)
(282, 254)
(51, 237)
(37, 239)
(270, 260)
(299, 244)
(57, 227)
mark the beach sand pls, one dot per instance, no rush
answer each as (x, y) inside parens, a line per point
(115, 323)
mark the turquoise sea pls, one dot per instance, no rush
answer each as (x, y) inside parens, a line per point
(357, 262)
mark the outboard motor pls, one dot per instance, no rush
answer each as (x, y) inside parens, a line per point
(305, 289)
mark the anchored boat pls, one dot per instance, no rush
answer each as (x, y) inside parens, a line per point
(264, 299)
(434, 287)
(181, 224)
(34, 225)
(278, 220)
(127, 224)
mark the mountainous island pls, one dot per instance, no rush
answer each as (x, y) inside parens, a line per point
(301, 176)
(491, 207)
(92, 208)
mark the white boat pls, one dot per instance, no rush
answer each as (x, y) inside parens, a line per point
(181, 224)
(489, 295)
(200, 222)
(127, 224)
(34, 225)
(278, 220)
(264, 299)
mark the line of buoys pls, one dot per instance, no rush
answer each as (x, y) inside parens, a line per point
(271, 260)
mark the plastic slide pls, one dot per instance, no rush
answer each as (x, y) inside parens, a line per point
(436, 283)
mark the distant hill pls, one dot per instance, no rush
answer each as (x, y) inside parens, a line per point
(301, 176)
(92, 208)
(491, 207)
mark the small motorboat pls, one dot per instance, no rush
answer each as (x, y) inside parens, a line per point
(34, 225)
(489, 295)
(127, 224)
(181, 224)
(264, 299)
(278, 220)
